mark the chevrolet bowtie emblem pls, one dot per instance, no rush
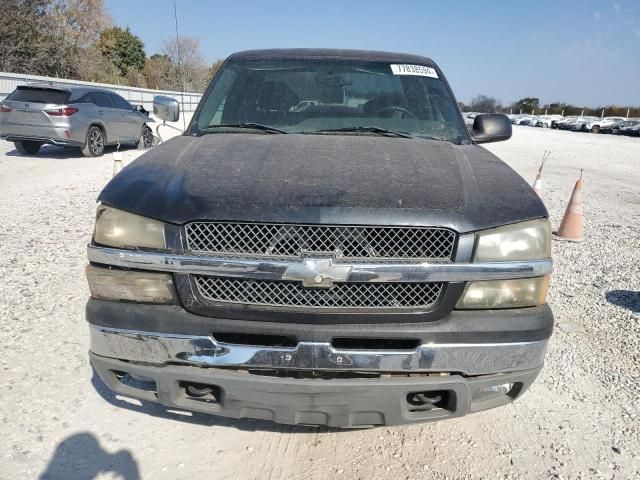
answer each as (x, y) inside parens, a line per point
(317, 272)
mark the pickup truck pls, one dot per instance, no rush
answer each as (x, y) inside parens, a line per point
(358, 261)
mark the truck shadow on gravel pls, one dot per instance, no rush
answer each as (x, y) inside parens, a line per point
(196, 418)
(81, 456)
(625, 298)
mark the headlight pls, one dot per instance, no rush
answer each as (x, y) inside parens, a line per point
(129, 285)
(521, 241)
(517, 293)
(116, 228)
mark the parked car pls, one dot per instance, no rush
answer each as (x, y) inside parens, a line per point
(468, 118)
(562, 124)
(629, 127)
(84, 117)
(580, 124)
(604, 125)
(527, 121)
(546, 121)
(523, 120)
(344, 266)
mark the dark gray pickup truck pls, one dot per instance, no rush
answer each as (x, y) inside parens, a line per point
(326, 244)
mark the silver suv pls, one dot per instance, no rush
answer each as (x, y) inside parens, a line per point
(85, 117)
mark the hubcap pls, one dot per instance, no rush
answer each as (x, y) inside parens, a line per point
(96, 143)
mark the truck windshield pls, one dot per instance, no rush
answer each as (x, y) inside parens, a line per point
(330, 96)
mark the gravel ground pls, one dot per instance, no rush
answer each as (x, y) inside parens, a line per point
(579, 420)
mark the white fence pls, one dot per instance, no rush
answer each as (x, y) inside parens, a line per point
(138, 96)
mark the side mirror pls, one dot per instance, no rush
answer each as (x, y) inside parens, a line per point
(166, 108)
(141, 109)
(491, 127)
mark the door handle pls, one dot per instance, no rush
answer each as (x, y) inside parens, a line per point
(100, 112)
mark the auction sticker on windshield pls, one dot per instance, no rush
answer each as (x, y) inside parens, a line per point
(419, 70)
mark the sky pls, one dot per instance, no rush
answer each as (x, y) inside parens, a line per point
(584, 52)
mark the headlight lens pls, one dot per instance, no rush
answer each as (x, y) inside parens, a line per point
(128, 285)
(517, 293)
(120, 229)
(521, 241)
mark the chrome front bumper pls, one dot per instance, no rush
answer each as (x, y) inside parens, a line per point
(204, 351)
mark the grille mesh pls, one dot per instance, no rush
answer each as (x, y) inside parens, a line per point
(282, 240)
(293, 294)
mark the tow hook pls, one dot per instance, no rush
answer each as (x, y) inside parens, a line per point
(198, 390)
(427, 400)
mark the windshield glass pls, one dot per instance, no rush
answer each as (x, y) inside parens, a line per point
(316, 96)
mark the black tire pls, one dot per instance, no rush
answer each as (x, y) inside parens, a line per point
(595, 129)
(94, 144)
(27, 147)
(147, 140)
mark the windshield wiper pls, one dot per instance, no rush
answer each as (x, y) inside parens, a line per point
(248, 125)
(380, 130)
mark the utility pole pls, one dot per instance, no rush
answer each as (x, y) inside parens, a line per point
(180, 69)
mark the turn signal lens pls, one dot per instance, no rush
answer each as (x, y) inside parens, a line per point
(128, 285)
(488, 294)
(116, 228)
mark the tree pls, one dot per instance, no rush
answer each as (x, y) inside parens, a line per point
(76, 26)
(30, 40)
(191, 73)
(122, 48)
(527, 105)
(215, 66)
(483, 104)
(160, 73)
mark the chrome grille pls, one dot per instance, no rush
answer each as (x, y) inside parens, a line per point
(287, 241)
(341, 295)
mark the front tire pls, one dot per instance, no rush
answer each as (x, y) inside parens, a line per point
(147, 140)
(27, 147)
(94, 144)
(595, 129)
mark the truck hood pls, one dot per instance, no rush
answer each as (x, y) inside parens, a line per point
(330, 179)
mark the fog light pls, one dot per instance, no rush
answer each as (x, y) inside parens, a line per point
(127, 285)
(492, 391)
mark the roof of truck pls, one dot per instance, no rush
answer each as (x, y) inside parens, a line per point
(319, 53)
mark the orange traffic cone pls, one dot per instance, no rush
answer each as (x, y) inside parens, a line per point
(571, 226)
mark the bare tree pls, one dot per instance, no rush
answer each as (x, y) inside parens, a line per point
(189, 69)
(483, 104)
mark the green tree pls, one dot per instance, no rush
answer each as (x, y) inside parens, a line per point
(526, 104)
(160, 73)
(122, 48)
(215, 66)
